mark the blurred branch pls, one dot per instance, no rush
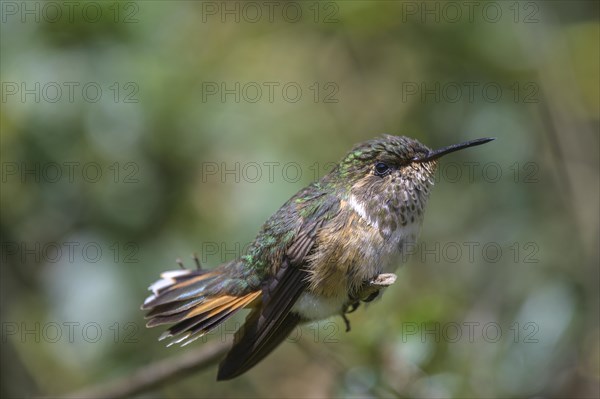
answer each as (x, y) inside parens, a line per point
(157, 373)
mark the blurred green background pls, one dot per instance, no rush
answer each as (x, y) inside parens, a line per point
(136, 132)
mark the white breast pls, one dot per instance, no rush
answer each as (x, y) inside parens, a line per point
(384, 255)
(381, 255)
(315, 307)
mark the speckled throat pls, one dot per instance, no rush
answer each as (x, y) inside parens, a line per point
(399, 203)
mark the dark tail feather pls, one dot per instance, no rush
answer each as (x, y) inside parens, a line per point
(251, 345)
(194, 301)
(178, 285)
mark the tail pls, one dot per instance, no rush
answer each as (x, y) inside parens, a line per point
(195, 302)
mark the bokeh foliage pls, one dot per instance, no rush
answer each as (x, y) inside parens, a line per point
(389, 70)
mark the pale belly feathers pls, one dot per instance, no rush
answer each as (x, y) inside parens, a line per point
(343, 261)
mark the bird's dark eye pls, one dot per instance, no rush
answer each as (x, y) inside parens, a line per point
(381, 169)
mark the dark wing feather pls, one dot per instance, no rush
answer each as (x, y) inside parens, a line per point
(269, 325)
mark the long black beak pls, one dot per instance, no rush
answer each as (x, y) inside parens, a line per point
(451, 148)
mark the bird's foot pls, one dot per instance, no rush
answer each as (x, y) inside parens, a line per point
(346, 321)
(370, 289)
(349, 308)
(368, 292)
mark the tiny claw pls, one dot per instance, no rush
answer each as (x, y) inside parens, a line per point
(197, 261)
(180, 263)
(352, 307)
(346, 321)
(349, 309)
(371, 296)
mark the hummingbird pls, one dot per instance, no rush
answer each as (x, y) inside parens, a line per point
(313, 259)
